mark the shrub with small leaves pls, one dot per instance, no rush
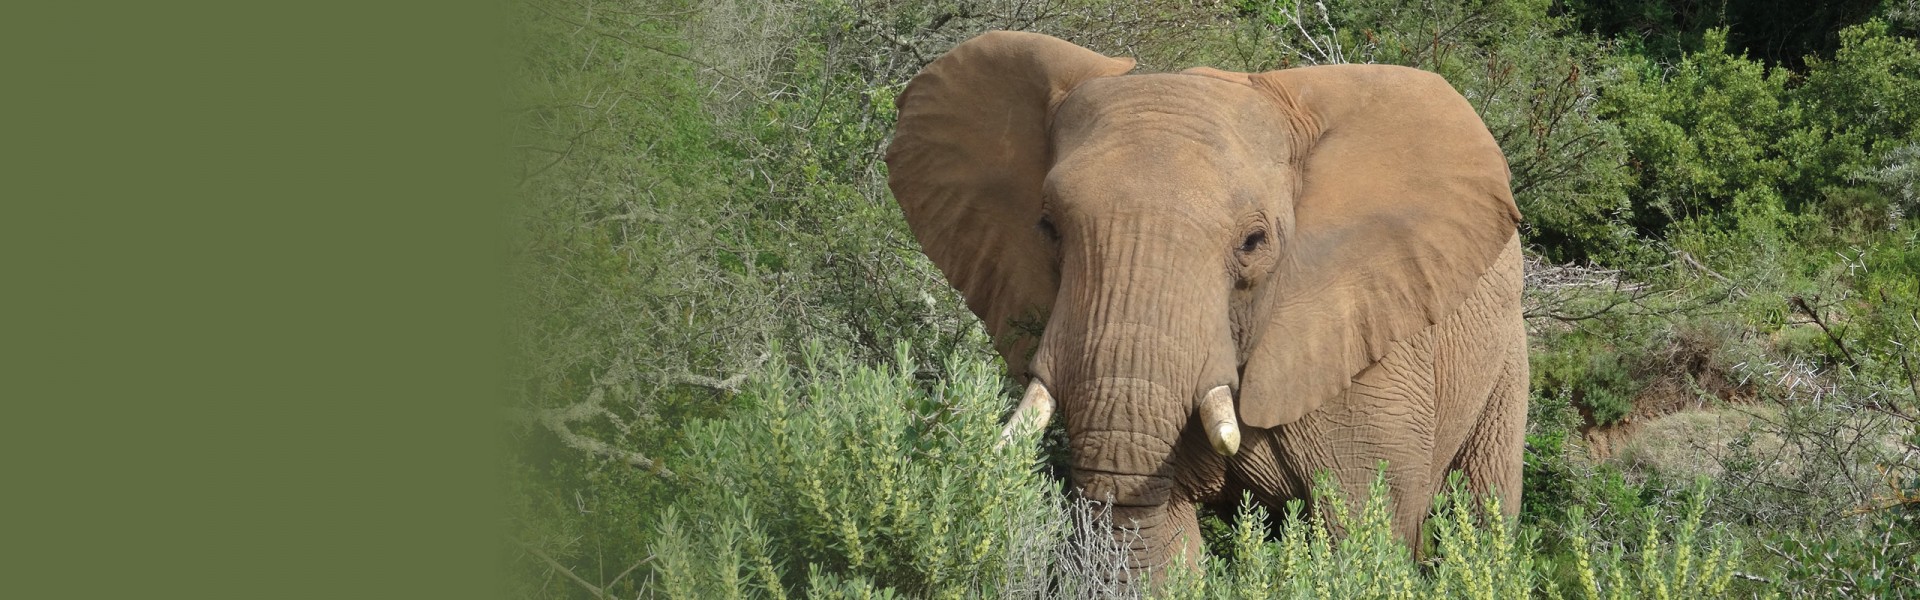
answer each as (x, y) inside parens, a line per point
(1675, 562)
(856, 475)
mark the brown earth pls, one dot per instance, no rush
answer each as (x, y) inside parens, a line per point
(1686, 379)
(1665, 397)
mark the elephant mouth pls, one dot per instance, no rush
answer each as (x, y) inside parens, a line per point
(1123, 489)
(1216, 416)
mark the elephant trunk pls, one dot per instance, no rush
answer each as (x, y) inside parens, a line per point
(1137, 339)
(1127, 454)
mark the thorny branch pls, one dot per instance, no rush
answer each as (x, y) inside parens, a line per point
(1800, 304)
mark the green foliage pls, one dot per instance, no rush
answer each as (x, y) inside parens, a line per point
(1592, 369)
(1699, 134)
(1721, 138)
(1674, 563)
(1857, 109)
(880, 485)
(1879, 559)
(1561, 481)
(858, 473)
(1475, 552)
(1308, 561)
(656, 262)
(1781, 32)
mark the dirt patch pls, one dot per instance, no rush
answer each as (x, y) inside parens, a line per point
(1664, 397)
(1685, 378)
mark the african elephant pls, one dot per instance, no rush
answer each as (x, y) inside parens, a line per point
(1229, 281)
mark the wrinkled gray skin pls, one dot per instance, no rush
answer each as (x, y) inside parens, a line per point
(1335, 246)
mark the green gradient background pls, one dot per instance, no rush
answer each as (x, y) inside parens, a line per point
(249, 346)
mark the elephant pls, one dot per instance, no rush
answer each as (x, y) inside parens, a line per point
(1227, 282)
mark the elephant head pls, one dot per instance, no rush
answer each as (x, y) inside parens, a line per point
(1172, 257)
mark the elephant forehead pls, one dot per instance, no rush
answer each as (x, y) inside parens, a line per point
(1165, 140)
(1224, 120)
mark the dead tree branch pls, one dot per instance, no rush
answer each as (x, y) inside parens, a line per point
(559, 421)
(595, 590)
(1553, 291)
(729, 384)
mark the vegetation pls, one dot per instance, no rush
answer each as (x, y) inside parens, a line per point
(738, 377)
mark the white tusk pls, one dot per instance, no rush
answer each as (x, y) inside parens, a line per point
(1035, 409)
(1223, 427)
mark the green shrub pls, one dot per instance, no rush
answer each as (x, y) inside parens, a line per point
(1595, 366)
(1672, 560)
(1476, 553)
(1877, 558)
(860, 474)
(1854, 109)
(1718, 134)
(1699, 133)
(841, 479)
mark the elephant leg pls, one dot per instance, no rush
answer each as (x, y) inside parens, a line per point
(1491, 458)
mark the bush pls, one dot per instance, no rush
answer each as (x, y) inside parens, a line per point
(843, 478)
(1476, 552)
(862, 474)
(1718, 135)
(1699, 133)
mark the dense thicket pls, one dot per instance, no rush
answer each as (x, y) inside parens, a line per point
(1780, 32)
(738, 376)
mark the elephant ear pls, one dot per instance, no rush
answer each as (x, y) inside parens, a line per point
(1403, 203)
(968, 159)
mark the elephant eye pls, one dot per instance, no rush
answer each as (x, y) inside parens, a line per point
(1046, 228)
(1253, 241)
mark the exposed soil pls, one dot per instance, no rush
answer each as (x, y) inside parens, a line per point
(1687, 381)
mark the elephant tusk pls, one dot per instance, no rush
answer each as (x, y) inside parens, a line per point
(1035, 409)
(1223, 427)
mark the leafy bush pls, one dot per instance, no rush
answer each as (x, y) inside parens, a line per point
(1699, 133)
(1720, 137)
(840, 477)
(1855, 108)
(856, 472)
(1678, 563)
(1593, 374)
(1477, 553)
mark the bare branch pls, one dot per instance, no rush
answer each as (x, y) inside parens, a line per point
(591, 588)
(1688, 258)
(730, 384)
(558, 421)
(1552, 291)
